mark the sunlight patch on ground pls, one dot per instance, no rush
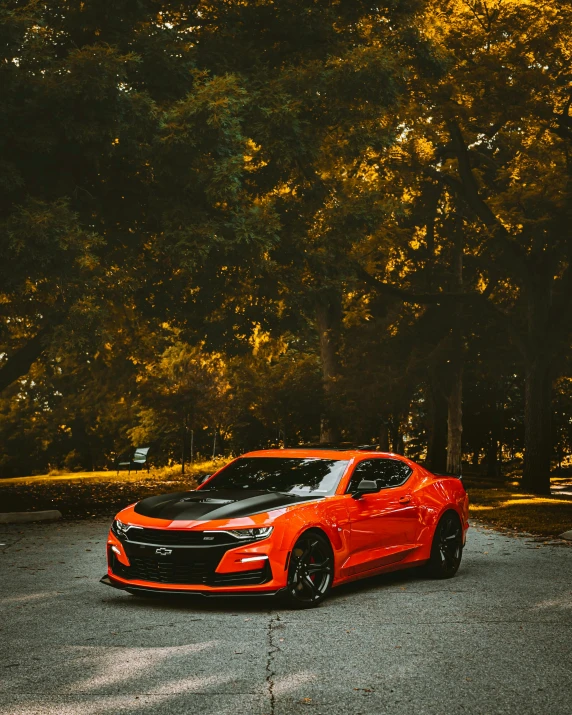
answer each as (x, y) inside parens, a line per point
(117, 664)
(564, 602)
(29, 597)
(532, 500)
(111, 704)
(292, 681)
(110, 475)
(189, 685)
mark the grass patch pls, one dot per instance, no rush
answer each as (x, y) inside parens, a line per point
(504, 504)
(83, 495)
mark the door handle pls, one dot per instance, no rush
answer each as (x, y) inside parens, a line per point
(405, 499)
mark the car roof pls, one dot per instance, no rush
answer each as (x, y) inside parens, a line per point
(326, 453)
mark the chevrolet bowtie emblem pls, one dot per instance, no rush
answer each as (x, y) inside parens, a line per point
(163, 551)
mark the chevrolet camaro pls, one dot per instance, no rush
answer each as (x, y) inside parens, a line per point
(293, 522)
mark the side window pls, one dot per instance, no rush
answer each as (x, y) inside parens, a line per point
(386, 472)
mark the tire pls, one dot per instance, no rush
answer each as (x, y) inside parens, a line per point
(447, 547)
(310, 571)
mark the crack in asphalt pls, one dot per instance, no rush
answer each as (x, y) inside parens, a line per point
(463, 622)
(72, 697)
(270, 673)
(7, 546)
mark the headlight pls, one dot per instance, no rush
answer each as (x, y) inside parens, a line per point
(260, 533)
(119, 528)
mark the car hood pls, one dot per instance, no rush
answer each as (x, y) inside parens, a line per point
(208, 505)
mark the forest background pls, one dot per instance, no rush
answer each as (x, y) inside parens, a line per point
(230, 225)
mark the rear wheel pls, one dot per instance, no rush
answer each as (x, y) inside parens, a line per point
(447, 548)
(310, 572)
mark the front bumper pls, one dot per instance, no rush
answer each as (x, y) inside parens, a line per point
(181, 561)
(110, 580)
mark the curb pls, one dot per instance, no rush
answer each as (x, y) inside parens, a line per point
(20, 517)
(567, 535)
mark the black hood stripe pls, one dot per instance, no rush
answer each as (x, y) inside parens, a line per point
(209, 505)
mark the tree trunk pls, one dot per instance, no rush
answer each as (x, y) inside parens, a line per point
(538, 382)
(455, 424)
(81, 443)
(214, 442)
(537, 422)
(494, 450)
(492, 456)
(455, 398)
(384, 437)
(437, 428)
(328, 319)
(397, 443)
(184, 445)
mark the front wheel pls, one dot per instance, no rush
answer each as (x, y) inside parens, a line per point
(447, 548)
(310, 572)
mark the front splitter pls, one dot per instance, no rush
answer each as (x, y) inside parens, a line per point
(109, 581)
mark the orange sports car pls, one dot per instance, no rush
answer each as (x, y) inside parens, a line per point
(294, 522)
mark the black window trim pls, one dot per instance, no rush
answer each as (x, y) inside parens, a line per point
(386, 459)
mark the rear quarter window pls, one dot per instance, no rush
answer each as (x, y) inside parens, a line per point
(385, 471)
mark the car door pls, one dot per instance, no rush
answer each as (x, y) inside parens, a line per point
(384, 526)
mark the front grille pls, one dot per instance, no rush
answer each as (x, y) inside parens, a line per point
(180, 537)
(192, 572)
(187, 572)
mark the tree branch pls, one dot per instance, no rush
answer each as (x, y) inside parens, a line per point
(22, 360)
(470, 192)
(469, 298)
(409, 296)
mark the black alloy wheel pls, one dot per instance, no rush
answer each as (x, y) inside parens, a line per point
(447, 548)
(310, 572)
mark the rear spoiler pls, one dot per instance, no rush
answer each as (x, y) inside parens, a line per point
(448, 474)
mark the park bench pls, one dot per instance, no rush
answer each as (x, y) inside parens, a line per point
(136, 460)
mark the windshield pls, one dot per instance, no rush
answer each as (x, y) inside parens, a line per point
(308, 476)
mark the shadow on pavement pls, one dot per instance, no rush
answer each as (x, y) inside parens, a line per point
(258, 604)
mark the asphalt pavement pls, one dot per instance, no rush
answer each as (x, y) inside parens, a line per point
(495, 639)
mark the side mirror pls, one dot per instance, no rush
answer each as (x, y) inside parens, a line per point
(366, 486)
(203, 479)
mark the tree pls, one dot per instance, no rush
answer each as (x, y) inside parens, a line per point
(493, 134)
(309, 218)
(185, 389)
(498, 151)
(315, 105)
